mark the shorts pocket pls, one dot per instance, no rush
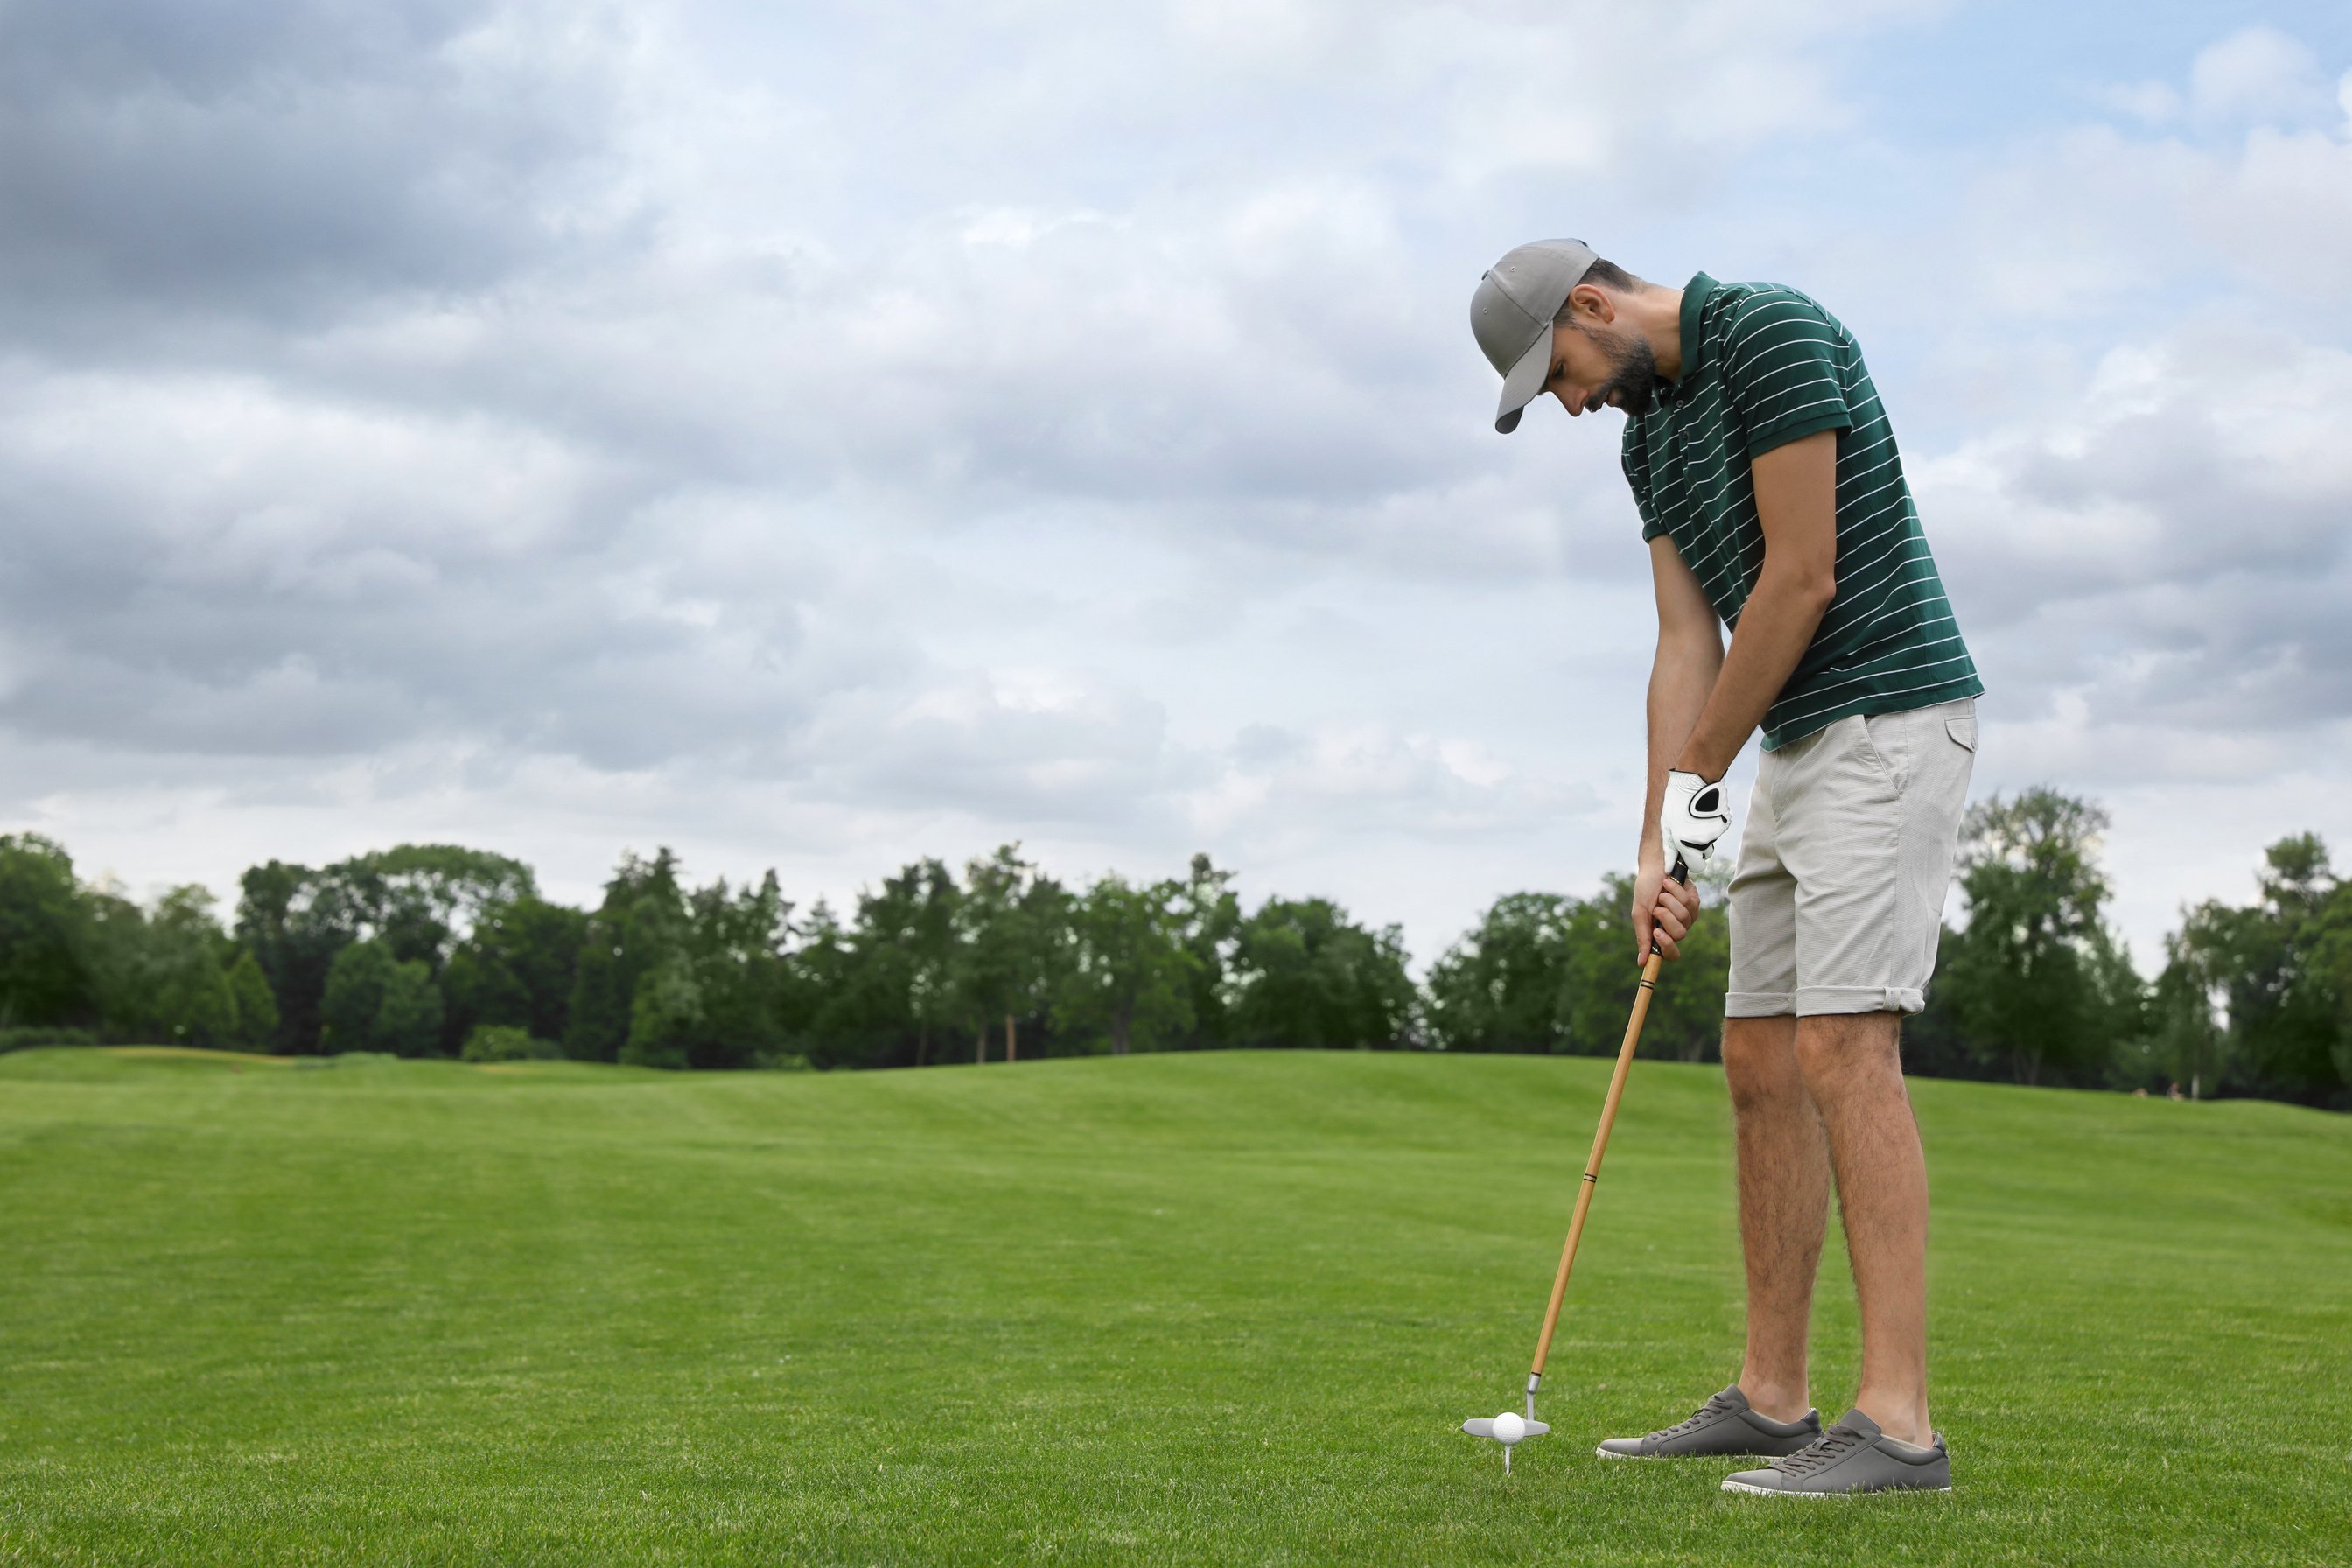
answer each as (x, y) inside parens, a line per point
(1886, 749)
(1962, 728)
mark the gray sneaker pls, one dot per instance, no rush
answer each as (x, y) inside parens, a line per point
(1724, 1425)
(1852, 1456)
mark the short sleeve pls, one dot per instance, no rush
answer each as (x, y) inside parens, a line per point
(1784, 370)
(1635, 456)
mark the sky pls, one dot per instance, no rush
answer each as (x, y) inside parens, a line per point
(825, 436)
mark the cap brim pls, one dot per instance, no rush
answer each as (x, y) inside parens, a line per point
(1524, 384)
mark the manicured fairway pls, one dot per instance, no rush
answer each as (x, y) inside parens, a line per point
(1221, 1309)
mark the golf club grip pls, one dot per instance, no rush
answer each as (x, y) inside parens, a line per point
(1600, 1145)
(1681, 873)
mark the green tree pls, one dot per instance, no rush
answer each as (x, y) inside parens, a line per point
(1046, 926)
(419, 900)
(2275, 972)
(2328, 963)
(1305, 976)
(408, 1022)
(873, 1009)
(1542, 972)
(917, 922)
(353, 996)
(2186, 1043)
(294, 936)
(375, 1002)
(642, 922)
(2284, 1009)
(257, 1009)
(161, 973)
(1011, 941)
(989, 946)
(1208, 922)
(200, 1007)
(189, 952)
(734, 953)
(517, 966)
(1128, 978)
(666, 1019)
(1501, 986)
(44, 935)
(667, 977)
(819, 1005)
(1685, 1018)
(120, 955)
(2035, 981)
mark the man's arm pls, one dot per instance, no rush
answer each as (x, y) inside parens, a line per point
(1796, 501)
(1689, 656)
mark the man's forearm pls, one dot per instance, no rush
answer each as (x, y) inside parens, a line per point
(1680, 679)
(1775, 626)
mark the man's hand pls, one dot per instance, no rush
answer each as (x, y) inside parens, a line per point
(1664, 911)
(1691, 816)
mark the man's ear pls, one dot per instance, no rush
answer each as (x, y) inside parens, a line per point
(1592, 303)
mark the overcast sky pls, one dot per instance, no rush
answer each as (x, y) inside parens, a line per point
(819, 435)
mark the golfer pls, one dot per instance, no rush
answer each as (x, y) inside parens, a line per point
(1773, 503)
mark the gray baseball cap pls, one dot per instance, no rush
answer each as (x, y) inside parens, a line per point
(1511, 315)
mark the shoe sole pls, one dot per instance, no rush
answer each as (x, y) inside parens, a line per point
(1613, 1453)
(1732, 1486)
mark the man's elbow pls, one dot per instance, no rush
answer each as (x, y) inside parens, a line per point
(1692, 647)
(1810, 587)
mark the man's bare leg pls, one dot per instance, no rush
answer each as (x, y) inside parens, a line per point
(1853, 1066)
(1784, 1196)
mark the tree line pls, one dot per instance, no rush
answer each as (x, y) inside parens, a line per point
(438, 950)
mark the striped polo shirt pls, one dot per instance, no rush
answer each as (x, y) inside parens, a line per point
(1762, 367)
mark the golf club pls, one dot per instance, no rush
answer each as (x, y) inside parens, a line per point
(1510, 1428)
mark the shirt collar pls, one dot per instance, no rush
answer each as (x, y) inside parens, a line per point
(1695, 294)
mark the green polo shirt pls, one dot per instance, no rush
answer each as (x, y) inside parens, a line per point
(1762, 367)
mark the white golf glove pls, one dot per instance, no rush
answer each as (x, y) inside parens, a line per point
(1693, 815)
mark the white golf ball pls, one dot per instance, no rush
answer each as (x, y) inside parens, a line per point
(1508, 1427)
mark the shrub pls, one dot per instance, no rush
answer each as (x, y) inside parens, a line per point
(507, 1043)
(28, 1036)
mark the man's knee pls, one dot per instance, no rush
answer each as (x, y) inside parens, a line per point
(1759, 1063)
(1838, 1052)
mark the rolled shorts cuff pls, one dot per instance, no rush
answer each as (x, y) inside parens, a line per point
(1815, 1000)
(1759, 1003)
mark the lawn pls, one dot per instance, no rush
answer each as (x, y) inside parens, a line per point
(1217, 1309)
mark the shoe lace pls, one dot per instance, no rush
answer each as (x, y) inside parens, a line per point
(1821, 1450)
(1715, 1406)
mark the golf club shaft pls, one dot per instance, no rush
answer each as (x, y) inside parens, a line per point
(1599, 1147)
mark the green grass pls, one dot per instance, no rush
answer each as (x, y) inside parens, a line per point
(1185, 1310)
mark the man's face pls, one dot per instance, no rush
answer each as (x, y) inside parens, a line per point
(1600, 363)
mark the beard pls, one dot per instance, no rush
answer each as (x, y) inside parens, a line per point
(1633, 373)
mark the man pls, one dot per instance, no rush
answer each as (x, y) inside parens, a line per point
(1771, 498)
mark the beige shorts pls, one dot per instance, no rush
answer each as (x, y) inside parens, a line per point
(1839, 897)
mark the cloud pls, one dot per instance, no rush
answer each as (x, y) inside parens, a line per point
(286, 161)
(2152, 101)
(2253, 194)
(2259, 75)
(2142, 516)
(2155, 576)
